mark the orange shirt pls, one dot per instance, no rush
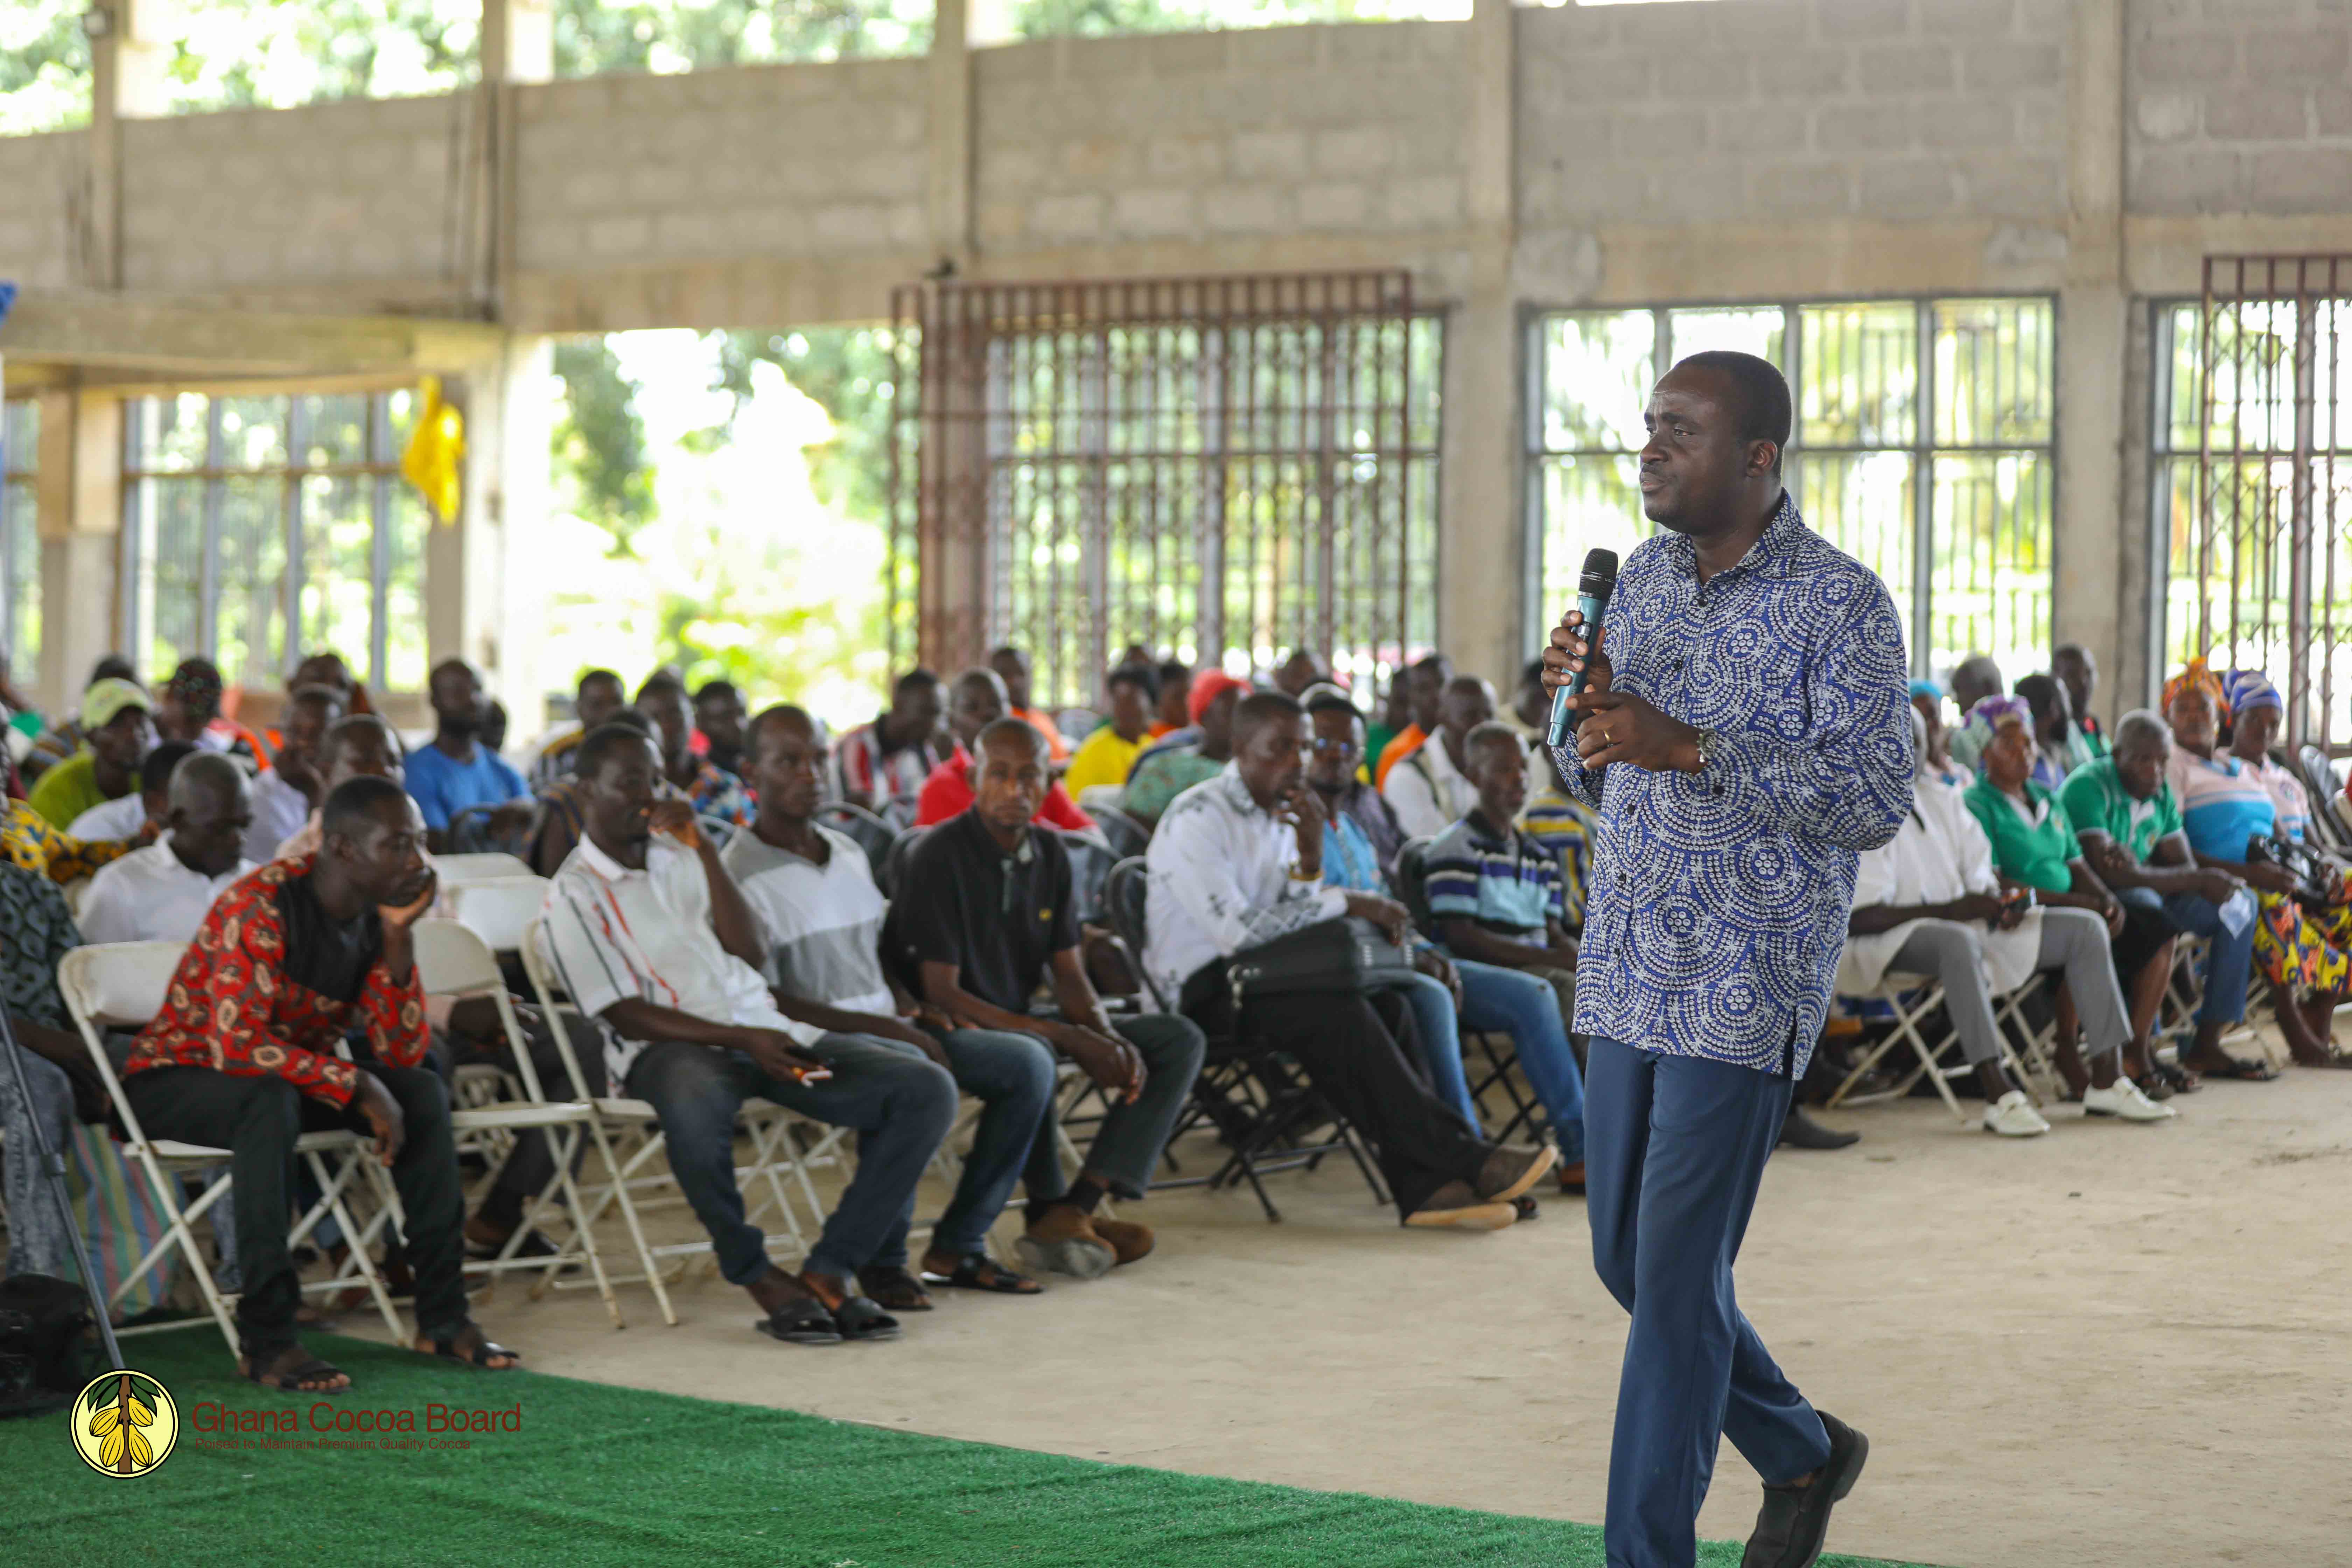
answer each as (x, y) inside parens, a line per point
(1408, 740)
(1043, 723)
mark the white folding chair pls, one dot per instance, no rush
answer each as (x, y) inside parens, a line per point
(464, 870)
(1912, 999)
(452, 960)
(122, 986)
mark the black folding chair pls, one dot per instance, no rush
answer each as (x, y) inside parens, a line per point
(1124, 834)
(871, 833)
(893, 862)
(2321, 782)
(1501, 1052)
(1259, 1101)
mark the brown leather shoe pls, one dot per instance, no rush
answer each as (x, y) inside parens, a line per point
(1512, 1170)
(1571, 1179)
(1128, 1240)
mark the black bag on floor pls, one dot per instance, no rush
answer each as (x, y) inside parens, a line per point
(43, 1362)
(1344, 955)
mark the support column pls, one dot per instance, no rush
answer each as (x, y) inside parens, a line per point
(1484, 560)
(517, 48)
(950, 180)
(2094, 510)
(78, 501)
(129, 67)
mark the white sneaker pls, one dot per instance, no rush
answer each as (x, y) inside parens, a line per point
(2013, 1116)
(2125, 1099)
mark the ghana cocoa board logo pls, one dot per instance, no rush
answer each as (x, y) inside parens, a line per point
(123, 1423)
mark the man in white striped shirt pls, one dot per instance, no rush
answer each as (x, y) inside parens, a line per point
(648, 932)
(1237, 862)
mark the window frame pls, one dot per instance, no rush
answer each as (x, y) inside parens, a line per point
(376, 474)
(20, 465)
(1922, 449)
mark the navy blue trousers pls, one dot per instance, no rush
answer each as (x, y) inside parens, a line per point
(1674, 1150)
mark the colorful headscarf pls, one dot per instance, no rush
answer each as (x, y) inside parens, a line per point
(1929, 689)
(1985, 719)
(2244, 690)
(2194, 674)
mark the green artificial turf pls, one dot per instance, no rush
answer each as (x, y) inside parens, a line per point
(600, 1474)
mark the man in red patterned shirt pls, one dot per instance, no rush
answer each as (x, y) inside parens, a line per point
(290, 961)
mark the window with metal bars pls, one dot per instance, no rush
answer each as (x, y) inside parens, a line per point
(20, 539)
(1924, 446)
(1216, 469)
(261, 529)
(2251, 503)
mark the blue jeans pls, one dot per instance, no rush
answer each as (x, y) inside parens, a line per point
(1503, 1001)
(1012, 1075)
(1676, 1152)
(900, 1109)
(2228, 962)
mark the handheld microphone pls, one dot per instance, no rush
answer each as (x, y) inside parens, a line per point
(1592, 591)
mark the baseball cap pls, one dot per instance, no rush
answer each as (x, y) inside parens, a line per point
(107, 698)
(1207, 686)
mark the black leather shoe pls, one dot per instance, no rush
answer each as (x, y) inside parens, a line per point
(1795, 1519)
(1802, 1131)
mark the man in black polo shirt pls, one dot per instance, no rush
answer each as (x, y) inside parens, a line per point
(982, 917)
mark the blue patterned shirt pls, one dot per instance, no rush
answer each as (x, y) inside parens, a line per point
(1720, 899)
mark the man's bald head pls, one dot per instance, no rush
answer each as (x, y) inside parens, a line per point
(206, 778)
(211, 812)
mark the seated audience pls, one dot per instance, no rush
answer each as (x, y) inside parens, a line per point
(2225, 805)
(1448, 995)
(455, 771)
(1172, 710)
(64, 739)
(189, 708)
(1496, 894)
(1429, 786)
(560, 805)
(358, 745)
(1104, 758)
(118, 732)
(1424, 686)
(977, 701)
(1928, 701)
(881, 766)
(242, 1056)
(2129, 819)
(2078, 672)
(594, 699)
(710, 789)
(1011, 666)
(2053, 725)
(962, 926)
(1567, 830)
(1974, 679)
(284, 797)
(1930, 902)
(129, 818)
(1335, 728)
(1394, 717)
(327, 669)
(2034, 844)
(1239, 862)
(160, 893)
(1303, 668)
(649, 934)
(36, 934)
(719, 715)
(1170, 769)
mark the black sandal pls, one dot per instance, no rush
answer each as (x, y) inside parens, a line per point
(2182, 1080)
(1525, 1204)
(979, 1271)
(480, 1357)
(862, 1318)
(802, 1321)
(894, 1289)
(290, 1381)
(2153, 1086)
(2241, 1072)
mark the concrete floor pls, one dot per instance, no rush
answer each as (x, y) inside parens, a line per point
(2114, 1345)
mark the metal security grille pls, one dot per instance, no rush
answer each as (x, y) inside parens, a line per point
(2262, 572)
(1219, 467)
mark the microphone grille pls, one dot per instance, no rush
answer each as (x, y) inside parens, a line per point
(1599, 571)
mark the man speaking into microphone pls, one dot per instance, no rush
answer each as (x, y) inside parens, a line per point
(1744, 729)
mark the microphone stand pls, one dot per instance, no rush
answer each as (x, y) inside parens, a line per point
(53, 1165)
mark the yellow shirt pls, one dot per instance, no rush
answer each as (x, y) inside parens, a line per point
(1103, 758)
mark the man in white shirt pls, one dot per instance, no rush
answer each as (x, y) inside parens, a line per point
(1237, 862)
(150, 802)
(1930, 902)
(285, 795)
(160, 893)
(648, 932)
(1430, 790)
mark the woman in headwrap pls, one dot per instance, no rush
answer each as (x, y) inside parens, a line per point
(2225, 805)
(1927, 697)
(2034, 844)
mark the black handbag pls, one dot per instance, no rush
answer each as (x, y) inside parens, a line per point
(1344, 955)
(2305, 864)
(43, 1361)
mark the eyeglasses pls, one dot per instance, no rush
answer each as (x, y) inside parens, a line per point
(1326, 745)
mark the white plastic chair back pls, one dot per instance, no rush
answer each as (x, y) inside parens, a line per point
(453, 961)
(119, 984)
(499, 911)
(459, 870)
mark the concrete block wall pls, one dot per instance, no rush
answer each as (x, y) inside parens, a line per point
(332, 193)
(42, 179)
(767, 161)
(1763, 110)
(2238, 105)
(1325, 130)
